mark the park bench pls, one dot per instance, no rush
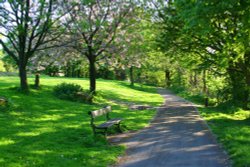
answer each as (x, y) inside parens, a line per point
(103, 127)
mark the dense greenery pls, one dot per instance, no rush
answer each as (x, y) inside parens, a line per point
(209, 40)
(73, 92)
(201, 45)
(41, 130)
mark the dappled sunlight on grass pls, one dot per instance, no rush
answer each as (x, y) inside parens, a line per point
(6, 141)
(230, 124)
(41, 130)
(233, 130)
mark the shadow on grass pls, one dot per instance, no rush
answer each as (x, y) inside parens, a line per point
(42, 130)
(234, 135)
(57, 136)
(62, 147)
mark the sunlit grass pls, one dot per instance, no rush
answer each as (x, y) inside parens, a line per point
(231, 125)
(41, 130)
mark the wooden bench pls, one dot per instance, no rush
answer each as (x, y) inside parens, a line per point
(103, 128)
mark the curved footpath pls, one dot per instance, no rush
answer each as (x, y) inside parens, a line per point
(177, 137)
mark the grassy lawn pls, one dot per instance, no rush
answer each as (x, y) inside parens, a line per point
(41, 130)
(231, 125)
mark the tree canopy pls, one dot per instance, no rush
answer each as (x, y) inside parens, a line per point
(199, 45)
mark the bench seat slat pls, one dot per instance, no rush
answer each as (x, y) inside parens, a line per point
(109, 123)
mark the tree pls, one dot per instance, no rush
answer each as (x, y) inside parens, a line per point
(214, 37)
(225, 31)
(95, 25)
(26, 28)
(131, 44)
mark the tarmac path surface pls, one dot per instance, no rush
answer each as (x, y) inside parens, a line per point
(177, 137)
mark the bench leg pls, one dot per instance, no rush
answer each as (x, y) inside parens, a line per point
(105, 132)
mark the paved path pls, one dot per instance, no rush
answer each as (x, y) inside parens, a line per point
(177, 137)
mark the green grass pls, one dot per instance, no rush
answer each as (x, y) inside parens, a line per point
(231, 126)
(41, 130)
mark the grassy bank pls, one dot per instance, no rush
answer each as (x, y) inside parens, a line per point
(41, 130)
(231, 125)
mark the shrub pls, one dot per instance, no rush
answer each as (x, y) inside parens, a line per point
(72, 92)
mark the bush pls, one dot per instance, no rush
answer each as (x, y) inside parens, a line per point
(72, 92)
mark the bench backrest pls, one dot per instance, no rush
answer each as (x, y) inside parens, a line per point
(100, 112)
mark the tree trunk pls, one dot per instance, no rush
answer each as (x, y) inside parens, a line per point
(37, 80)
(247, 78)
(92, 74)
(167, 78)
(247, 93)
(206, 102)
(204, 79)
(238, 85)
(131, 76)
(23, 77)
(67, 70)
(78, 73)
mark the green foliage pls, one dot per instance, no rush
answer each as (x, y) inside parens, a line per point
(72, 92)
(9, 64)
(156, 78)
(1, 66)
(42, 130)
(105, 73)
(209, 36)
(67, 90)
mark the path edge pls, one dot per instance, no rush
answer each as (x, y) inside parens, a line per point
(229, 162)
